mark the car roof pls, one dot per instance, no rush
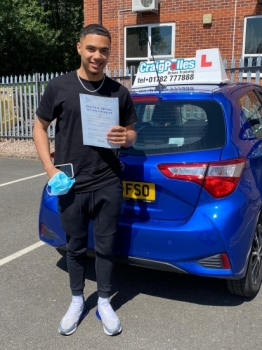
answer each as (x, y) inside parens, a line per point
(225, 88)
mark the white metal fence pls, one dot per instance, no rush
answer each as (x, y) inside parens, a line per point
(20, 96)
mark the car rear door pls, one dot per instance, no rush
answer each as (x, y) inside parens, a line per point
(177, 136)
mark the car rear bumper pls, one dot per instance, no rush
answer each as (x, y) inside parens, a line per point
(130, 260)
(193, 246)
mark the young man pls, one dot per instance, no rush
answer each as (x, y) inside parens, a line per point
(97, 192)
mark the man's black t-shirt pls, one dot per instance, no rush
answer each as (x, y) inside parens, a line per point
(94, 167)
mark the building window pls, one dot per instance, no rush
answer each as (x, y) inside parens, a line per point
(252, 41)
(144, 42)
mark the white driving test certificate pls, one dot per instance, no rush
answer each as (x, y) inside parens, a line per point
(98, 115)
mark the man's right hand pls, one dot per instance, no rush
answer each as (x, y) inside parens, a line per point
(50, 173)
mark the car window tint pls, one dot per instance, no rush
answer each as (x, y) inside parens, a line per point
(178, 126)
(251, 108)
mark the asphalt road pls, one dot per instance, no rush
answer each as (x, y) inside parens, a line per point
(158, 310)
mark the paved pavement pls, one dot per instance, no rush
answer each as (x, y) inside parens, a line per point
(158, 310)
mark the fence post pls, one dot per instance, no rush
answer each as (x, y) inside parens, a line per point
(37, 88)
(249, 72)
(241, 69)
(132, 74)
(258, 70)
(233, 65)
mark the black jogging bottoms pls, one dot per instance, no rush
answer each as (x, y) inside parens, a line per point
(103, 207)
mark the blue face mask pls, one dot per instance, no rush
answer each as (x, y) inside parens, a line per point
(59, 184)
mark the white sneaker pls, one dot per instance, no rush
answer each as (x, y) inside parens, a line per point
(74, 315)
(108, 317)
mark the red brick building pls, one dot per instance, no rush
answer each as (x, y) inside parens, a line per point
(177, 28)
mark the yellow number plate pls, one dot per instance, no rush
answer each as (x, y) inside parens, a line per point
(139, 190)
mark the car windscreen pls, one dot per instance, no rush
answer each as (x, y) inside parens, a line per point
(178, 126)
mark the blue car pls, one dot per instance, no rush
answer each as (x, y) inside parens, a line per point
(192, 182)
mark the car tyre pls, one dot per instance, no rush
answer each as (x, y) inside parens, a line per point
(61, 251)
(249, 285)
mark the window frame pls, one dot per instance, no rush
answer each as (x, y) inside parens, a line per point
(149, 56)
(244, 55)
(255, 113)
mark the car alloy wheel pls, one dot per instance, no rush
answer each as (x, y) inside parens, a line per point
(249, 285)
(256, 255)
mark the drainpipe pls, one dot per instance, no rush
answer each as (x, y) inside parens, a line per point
(119, 40)
(234, 30)
(100, 12)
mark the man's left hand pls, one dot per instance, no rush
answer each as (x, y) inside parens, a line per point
(122, 136)
(117, 135)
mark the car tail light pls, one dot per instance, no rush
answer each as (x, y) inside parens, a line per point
(42, 229)
(194, 172)
(218, 261)
(220, 179)
(47, 233)
(145, 98)
(225, 261)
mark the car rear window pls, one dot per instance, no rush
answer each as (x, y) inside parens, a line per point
(178, 126)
